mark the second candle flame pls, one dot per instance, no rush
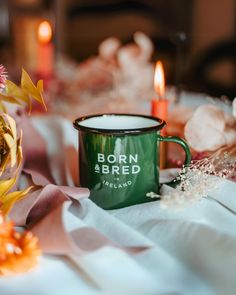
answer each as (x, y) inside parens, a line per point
(159, 79)
(45, 32)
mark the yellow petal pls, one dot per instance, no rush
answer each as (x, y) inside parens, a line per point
(40, 86)
(21, 136)
(40, 89)
(4, 162)
(5, 186)
(19, 156)
(13, 90)
(3, 125)
(12, 124)
(9, 98)
(9, 134)
(10, 199)
(2, 107)
(19, 150)
(12, 144)
(28, 86)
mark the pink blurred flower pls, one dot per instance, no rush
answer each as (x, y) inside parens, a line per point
(3, 77)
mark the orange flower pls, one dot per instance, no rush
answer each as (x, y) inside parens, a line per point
(19, 252)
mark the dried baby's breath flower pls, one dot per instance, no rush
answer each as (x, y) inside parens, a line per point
(200, 178)
(19, 252)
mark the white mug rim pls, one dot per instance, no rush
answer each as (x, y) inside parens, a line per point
(155, 127)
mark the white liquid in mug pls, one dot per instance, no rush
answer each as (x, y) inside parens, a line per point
(116, 122)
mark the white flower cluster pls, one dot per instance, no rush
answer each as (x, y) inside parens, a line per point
(199, 179)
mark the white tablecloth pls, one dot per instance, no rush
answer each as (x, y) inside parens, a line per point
(192, 251)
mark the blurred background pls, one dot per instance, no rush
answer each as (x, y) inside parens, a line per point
(195, 39)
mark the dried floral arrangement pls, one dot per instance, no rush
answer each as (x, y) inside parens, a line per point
(120, 73)
(18, 252)
(200, 178)
(219, 126)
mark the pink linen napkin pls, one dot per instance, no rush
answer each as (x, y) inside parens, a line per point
(42, 210)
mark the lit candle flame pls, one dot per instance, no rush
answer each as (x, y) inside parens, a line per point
(159, 79)
(44, 32)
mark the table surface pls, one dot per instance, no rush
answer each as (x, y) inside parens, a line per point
(191, 251)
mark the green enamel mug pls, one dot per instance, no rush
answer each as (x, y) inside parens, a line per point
(119, 157)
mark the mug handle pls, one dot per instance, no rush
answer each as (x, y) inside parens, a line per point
(184, 145)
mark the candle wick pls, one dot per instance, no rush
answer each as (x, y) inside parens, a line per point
(159, 95)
